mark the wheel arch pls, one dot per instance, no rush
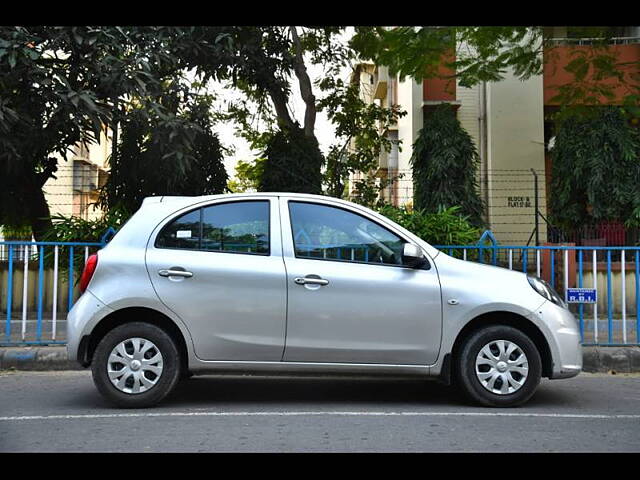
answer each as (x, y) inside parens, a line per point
(120, 317)
(510, 319)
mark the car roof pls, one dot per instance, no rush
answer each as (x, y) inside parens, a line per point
(200, 198)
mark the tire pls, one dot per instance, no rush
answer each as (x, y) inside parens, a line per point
(481, 376)
(154, 376)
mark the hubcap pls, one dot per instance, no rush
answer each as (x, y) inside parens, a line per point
(502, 367)
(134, 365)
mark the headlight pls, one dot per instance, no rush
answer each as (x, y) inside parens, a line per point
(546, 290)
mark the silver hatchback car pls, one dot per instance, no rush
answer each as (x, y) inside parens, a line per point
(279, 282)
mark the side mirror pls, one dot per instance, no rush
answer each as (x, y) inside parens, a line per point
(412, 256)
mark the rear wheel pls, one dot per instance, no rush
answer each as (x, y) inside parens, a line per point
(136, 365)
(498, 366)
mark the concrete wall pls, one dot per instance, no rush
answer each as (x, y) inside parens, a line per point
(515, 144)
(410, 99)
(616, 292)
(32, 291)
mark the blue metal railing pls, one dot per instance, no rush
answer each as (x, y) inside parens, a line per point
(48, 273)
(25, 316)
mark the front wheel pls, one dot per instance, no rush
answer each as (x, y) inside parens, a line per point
(136, 365)
(498, 366)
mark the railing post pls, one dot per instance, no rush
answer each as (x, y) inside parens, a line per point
(609, 298)
(25, 288)
(70, 299)
(535, 190)
(7, 329)
(637, 296)
(54, 313)
(40, 292)
(623, 293)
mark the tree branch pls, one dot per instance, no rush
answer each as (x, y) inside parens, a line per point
(305, 86)
(279, 99)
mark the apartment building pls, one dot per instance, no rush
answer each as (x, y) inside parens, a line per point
(508, 121)
(79, 177)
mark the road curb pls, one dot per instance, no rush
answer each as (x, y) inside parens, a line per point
(36, 358)
(595, 359)
(611, 359)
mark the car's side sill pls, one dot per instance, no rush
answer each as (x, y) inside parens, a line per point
(201, 367)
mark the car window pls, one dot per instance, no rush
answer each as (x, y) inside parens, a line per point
(238, 227)
(184, 232)
(324, 232)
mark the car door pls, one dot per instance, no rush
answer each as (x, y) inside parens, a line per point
(350, 299)
(219, 267)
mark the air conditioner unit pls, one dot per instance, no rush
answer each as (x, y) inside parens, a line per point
(85, 176)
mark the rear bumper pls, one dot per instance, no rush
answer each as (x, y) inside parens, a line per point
(84, 314)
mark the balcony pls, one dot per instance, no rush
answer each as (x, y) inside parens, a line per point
(381, 82)
(594, 41)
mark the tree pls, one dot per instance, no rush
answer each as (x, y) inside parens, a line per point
(595, 170)
(60, 86)
(444, 164)
(261, 62)
(292, 163)
(264, 63)
(150, 151)
(361, 133)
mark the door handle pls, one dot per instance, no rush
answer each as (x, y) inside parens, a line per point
(310, 281)
(175, 273)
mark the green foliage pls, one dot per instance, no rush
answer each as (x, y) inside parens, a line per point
(444, 163)
(417, 52)
(76, 229)
(445, 227)
(491, 51)
(155, 156)
(16, 232)
(60, 86)
(362, 130)
(292, 163)
(595, 169)
(248, 175)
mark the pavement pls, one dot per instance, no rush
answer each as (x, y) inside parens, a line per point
(596, 359)
(61, 411)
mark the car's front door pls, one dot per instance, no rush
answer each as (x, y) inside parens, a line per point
(350, 299)
(219, 267)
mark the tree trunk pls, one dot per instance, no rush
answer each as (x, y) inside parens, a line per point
(305, 86)
(38, 209)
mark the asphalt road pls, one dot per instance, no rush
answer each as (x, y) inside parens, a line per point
(63, 412)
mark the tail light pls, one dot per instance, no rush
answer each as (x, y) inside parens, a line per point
(87, 273)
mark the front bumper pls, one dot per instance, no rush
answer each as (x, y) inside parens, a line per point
(563, 336)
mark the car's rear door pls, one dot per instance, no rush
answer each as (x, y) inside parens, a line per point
(219, 267)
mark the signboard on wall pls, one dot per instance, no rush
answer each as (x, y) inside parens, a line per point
(581, 295)
(519, 202)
